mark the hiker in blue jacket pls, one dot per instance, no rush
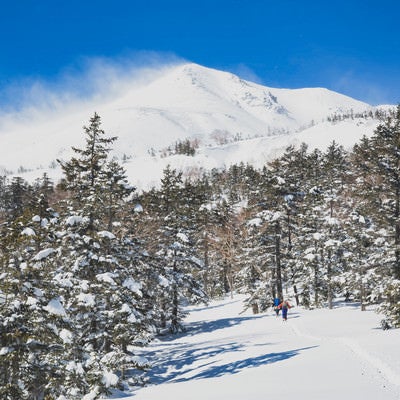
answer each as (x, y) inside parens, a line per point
(277, 301)
(284, 306)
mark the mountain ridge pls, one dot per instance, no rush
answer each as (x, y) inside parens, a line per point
(186, 101)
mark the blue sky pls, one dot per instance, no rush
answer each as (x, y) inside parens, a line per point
(352, 47)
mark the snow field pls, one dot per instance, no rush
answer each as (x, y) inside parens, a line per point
(317, 354)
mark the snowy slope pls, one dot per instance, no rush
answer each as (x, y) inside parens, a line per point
(179, 102)
(230, 355)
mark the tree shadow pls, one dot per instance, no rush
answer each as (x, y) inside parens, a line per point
(208, 307)
(208, 326)
(211, 326)
(186, 360)
(174, 360)
(235, 367)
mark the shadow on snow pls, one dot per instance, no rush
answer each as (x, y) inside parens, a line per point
(207, 326)
(181, 364)
(208, 307)
(237, 366)
(211, 326)
(189, 361)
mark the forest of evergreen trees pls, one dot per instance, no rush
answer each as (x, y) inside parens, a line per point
(91, 269)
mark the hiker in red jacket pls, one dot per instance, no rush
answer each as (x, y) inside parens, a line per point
(284, 306)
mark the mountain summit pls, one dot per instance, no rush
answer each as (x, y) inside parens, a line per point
(230, 119)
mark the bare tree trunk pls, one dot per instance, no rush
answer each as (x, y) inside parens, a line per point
(362, 291)
(296, 295)
(329, 278)
(316, 290)
(279, 288)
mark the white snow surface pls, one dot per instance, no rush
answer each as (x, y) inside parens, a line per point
(106, 234)
(107, 277)
(180, 102)
(228, 354)
(43, 254)
(109, 378)
(66, 336)
(28, 232)
(133, 286)
(55, 307)
(74, 220)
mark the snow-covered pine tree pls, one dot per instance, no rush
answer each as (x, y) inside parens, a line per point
(33, 316)
(225, 244)
(222, 210)
(366, 248)
(117, 191)
(197, 222)
(255, 277)
(311, 238)
(321, 236)
(176, 254)
(4, 198)
(381, 161)
(335, 166)
(83, 173)
(203, 235)
(283, 193)
(17, 196)
(293, 168)
(44, 188)
(103, 296)
(365, 243)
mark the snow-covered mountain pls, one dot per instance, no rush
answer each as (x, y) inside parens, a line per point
(232, 120)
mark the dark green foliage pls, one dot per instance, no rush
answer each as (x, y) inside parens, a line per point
(32, 314)
(176, 257)
(377, 162)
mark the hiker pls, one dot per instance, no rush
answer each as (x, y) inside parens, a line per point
(277, 301)
(284, 306)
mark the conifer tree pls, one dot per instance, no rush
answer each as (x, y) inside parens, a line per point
(381, 160)
(4, 198)
(18, 196)
(103, 296)
(310, 245)
(117, 191)
(255, 277)
(225, 244)
(176, 253)
(284, 192)
(365, 244)
(33, 316)
(83, 173)
(335, 167)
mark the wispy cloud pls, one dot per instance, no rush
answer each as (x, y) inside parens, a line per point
(246, 72)
(87, 80)
(363, 87)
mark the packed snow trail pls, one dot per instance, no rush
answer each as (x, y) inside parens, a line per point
(376, 349)
(329, 354)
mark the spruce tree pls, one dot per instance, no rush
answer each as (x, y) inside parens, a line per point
(83, 173)
(104, 295)
(18, 196)
(176, 256)
(381, 163)
(310, 245)
(33, 315)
